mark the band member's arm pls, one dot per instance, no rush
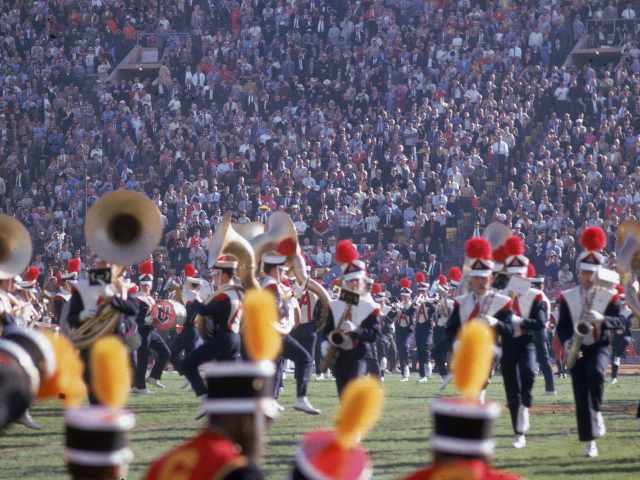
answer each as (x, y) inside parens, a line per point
(453, 324)
(393, 313)
(613, 320)
(329, 327)
(218, 305)
(129, 306)
(143, 312)
(369, 330)
(565, 324)
(283, 311)
(505, 326)
(76, 305)
(537, 317)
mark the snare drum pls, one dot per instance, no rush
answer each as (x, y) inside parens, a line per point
(168, 313)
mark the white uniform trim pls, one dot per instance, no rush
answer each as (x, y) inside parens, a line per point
(467, 304)
(574, 298)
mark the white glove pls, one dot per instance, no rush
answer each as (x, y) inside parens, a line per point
(88, 312)
(107, 290)
(324, 348)
(148, 320)
(567, 346)
(298, 290)
(517, 322)
(594, 317)
(291, 303)
(491, 321)
(347, 326)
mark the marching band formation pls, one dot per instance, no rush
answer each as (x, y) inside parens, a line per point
(258, 273)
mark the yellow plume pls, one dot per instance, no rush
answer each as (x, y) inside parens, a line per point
(261, 340)
(361, 405)
(473, 357)
(66, 384)
(110, 371)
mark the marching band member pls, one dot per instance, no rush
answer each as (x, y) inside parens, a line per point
(274, 268)
(66, 282)
(374, 364)
(584, 304)
(622, 338)
(219, 325)
(425, 315)
(404, 314)
(84, 304)
(482, 302)
(556, 345)
(359, 323)
(188, 336)
(305, 332)
(334, 293)
(441, 345)
(151, 340)
(26, 294)
(386, 326)
(462, 441)
(541, 338)
(518, 349)
(230, 447)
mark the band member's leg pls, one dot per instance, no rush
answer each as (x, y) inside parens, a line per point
(163, 352)
(542, 354)
(185, 339)
(306, 335)
(403, 336)
(597, 363)
(511, 385)
(373, 364)
(527, 366)
(422, 347)
(440, 349)
(345, 371)
(581, 397)
(223, 346)
(143, 358)
(293, 351)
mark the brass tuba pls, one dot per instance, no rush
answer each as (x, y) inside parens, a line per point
(122, 228)
(628, 235)
(496, 233)
(15, 247)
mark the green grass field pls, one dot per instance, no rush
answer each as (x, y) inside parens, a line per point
(399, 444)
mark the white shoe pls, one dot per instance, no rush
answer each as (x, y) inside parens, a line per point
(302, 405)
(613, 381)
(407, 372)
(189, 390)
(429, 369)
(281, 390)
(185, 383)
(155, 382)
(396, 370)
(202, 410)
(320, 377)
(26, 420)
(597, 424)
(592, 450)
(284, 375)
(483, 393)
(144, 391)
(170, 372)
(382, 379)
(445, 381)
(383, 363)
(279, 407)
(519, 442)
(423, 380)
(549, 394)
(522, 420)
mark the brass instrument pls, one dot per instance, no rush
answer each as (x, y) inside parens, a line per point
(251, 230)
(123, 227)
(300, 272)
(15, 247)
(581, 329)
(496, 233)
(337, 337)
(45, 298)
(628, 235)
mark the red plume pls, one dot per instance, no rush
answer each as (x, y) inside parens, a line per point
(499, 254)
(286, 283)
(146, 268)
(478, 247)
(189, 271)
(513, 246)
(32, 274)
(620, 289)
(376, 289)
(287, 247)
(74, 265)
(455, 274)
(335, 282)
(593, 238)
(405, 283)
(420, 278)
(442, 279)
(133, 290)
(59, 280)
(531, 271)
(346, 252)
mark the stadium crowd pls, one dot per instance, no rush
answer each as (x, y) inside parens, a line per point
(386, 122)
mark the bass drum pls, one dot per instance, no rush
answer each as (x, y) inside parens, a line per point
(168, 313)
